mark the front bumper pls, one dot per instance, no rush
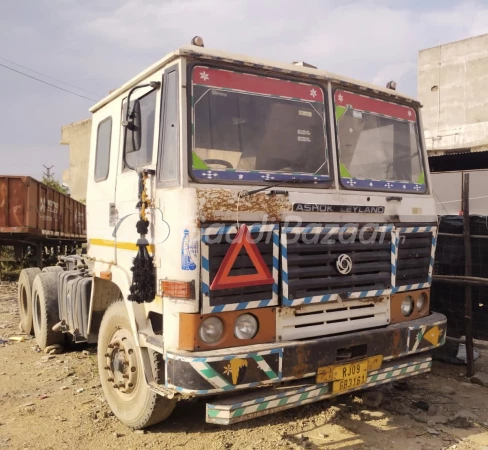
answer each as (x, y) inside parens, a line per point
(217, 371)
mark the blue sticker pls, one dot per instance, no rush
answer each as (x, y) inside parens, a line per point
(189, 248)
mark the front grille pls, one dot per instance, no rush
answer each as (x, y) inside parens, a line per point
(414, 250)
(332, 318)
(312, 261)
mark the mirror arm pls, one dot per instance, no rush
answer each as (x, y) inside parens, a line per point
(153, 84)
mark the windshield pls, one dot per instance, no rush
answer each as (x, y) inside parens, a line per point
(252, 128)
(378, 144)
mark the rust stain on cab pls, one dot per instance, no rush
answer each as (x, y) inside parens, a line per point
(373, 299)
(301, 366)
(396, 344)
(216, 204)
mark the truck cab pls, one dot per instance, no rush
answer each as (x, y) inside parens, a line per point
(254, 225)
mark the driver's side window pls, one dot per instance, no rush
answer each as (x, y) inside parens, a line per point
(143, 156)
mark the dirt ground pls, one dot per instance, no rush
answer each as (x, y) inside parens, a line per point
(56, 402)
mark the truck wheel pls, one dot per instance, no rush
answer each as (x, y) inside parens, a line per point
(26, 280)
(122, 373)
(55, 269)
(45, 309)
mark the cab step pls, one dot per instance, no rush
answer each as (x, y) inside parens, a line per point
(243, 407)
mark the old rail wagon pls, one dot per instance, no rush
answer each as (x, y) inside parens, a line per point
(37, 223)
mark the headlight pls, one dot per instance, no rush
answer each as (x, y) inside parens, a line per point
(246, 326)
(407, 305)
(421, 301)
(211, 330)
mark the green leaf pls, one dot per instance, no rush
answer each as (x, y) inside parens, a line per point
(344, 172)
(339, 111)
(197, 162)
(421, 178)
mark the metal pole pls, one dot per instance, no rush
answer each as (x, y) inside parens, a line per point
(468, 304)
(458, 279)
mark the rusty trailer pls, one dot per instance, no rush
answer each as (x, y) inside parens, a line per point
(38, 222)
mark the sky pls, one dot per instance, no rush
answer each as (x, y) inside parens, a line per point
(97, 45)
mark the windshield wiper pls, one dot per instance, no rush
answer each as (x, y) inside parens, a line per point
(255, 191)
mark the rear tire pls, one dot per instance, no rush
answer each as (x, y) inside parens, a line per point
(55, 269)
(46, 309)
(120, 364)
(24, 295)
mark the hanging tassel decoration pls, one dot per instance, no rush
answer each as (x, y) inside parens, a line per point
(143, 288)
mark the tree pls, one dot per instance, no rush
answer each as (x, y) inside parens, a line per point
(54, 185)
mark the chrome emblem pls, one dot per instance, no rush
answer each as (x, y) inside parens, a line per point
(344, 264)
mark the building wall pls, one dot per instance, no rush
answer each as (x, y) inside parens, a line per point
(448, 192)
(453, 87)
(77, 137)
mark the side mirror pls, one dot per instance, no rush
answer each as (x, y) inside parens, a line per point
(133, 129)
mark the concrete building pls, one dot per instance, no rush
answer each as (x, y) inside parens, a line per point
(77, 137)
(453, 88)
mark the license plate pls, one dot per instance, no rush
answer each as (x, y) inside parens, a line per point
(348, 376)
(354, 375)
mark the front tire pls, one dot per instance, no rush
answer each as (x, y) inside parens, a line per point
(24, 294)
(122, 373)
(46, 309)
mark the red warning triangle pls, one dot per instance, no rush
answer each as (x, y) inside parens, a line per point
(222, 279)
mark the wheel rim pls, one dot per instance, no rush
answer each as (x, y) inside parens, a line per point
(121, 365)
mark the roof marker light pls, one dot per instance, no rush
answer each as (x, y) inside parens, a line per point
(391, 85)
(198, 41)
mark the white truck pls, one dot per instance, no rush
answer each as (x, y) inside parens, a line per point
(259, 233)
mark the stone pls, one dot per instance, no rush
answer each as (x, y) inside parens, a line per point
(460, 422)
(433, 431)
(140, 431)
(480, 378)
(117, 435)
(47, 358)
(447, 390)
(372, 398)
(419, 419)
(26, 405)
(434, 410)
(79, 390)
(465, 414)
(439, 419)
(55, 349)
(63, 388)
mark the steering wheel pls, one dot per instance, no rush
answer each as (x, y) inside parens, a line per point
(221, 162)
(286, 164)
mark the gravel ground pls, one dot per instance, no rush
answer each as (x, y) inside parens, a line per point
(55, 402)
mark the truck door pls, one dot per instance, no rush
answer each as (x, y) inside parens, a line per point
(137, 154)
